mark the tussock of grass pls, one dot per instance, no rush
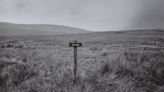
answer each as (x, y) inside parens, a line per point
(128, 71)
(136, 71)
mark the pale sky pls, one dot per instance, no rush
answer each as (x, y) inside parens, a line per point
(95, 15)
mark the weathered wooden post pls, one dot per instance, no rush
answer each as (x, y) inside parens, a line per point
(75, 44)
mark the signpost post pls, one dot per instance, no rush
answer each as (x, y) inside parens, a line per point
(75, 44)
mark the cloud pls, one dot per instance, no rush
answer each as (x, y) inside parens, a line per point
(151, 15)
(14, 7)
(89, 14)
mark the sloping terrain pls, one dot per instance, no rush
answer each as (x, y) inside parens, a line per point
(9, 29)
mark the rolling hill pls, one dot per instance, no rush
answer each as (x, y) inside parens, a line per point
(7, 29)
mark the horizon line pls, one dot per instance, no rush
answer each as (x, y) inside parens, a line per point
(130, 29)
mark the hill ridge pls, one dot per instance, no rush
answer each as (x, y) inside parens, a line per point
(37, 29)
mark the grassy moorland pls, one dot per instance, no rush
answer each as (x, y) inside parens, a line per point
(131, 61)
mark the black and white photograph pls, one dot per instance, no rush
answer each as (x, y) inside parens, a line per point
(81, 45)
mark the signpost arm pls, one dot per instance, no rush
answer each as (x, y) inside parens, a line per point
(75, 44)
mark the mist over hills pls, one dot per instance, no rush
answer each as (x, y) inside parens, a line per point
(10, 29)
(7, 29)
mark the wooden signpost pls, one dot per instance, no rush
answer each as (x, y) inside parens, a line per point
(75, 44)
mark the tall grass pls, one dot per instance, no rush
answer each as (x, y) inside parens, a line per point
(136, 71)
(40, 71)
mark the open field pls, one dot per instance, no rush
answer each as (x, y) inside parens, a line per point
(131, 61)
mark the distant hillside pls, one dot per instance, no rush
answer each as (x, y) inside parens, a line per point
(37, 29)
(143, 32)
(109, 36)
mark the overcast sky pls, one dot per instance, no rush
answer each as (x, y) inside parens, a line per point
(88, 14)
